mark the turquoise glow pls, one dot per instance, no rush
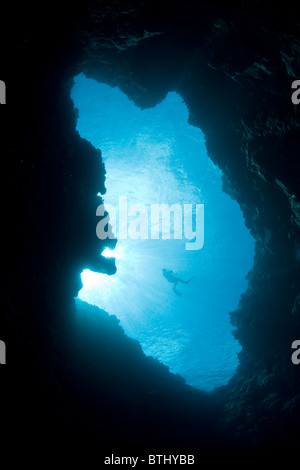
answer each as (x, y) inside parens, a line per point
(155, 156)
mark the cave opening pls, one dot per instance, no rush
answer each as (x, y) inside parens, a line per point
(153, 157)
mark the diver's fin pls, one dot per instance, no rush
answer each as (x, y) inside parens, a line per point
(177, 291)
(186, 282)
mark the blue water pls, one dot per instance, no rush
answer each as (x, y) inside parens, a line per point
(155, 156)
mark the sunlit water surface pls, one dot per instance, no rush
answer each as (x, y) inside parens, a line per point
(155, 156)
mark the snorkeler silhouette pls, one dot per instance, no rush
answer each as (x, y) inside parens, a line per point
(169, 275)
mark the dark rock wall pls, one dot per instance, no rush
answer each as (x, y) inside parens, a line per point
(234, 66)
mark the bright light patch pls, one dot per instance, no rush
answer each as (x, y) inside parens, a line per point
(153, 157)
(117, 253)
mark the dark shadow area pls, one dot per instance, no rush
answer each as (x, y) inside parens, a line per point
(84, 382)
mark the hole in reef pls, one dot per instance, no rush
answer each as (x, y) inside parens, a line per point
(154, 156)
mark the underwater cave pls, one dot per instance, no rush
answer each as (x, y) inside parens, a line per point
(153, 156)
(176, 106)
